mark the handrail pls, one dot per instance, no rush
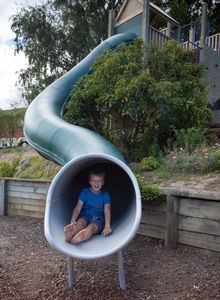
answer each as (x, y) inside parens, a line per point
(158, 38)
(213, 42)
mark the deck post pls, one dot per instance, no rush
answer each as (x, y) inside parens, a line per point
(171, 233)
(111, 18)
(146, 27)
(2, 197)
(203, 32)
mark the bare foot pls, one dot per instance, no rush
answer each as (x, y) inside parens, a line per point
(79, 237)
(69, 231)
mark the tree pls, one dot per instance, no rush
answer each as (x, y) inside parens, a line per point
(10, 122)
(187, 11)
(140, 107)
(57, 35)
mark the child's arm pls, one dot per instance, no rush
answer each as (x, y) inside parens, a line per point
(76, 211)
(107, 229)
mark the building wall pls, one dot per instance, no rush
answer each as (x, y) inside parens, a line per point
(212, 63)
(131, 25)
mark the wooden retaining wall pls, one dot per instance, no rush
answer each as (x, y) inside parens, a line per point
(187, 217)
(23, 197)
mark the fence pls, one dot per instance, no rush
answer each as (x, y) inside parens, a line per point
(187, 217)
(23, 197)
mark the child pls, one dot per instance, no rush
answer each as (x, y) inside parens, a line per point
(92, 213)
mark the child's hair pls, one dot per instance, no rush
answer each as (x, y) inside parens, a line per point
(97, 171)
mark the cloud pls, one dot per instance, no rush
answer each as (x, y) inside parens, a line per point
(9, 63)
(6, 10)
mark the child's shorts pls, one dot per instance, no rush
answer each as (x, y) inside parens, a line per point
(93, 220)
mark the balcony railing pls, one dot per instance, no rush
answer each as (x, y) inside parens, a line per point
(158, 38)
(212, 42)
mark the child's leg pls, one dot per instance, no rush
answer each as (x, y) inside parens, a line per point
(85, 234)
(71, 229)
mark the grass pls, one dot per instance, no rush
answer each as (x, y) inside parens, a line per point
(178, 164)
(28, 166)
(202, 160)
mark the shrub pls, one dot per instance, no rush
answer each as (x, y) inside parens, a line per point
(149, 163)
(199, 161)
(189, 139)
(212, 162)
(149, 193)
(7, 168)
(126, 101)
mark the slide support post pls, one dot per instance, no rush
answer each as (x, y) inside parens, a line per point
(71, 278)
(121, 271)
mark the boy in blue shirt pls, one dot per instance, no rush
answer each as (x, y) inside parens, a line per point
(92, 213)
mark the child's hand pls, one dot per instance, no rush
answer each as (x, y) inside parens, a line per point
(107, 230)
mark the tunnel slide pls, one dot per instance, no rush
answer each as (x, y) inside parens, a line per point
(79, 149)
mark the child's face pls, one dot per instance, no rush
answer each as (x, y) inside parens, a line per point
(96, 182)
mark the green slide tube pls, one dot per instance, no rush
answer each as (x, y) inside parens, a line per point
(78, 149)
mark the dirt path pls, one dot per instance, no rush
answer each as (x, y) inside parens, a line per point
(30, 269)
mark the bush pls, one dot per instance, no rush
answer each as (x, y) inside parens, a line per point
(189, 139)
(7, 168)
(126, 101)
(201, 161)
(149, 193)
(183, 162)
(212, 162)
(149, 163)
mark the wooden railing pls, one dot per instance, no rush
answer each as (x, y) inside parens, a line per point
(212, 42)
(157, 38)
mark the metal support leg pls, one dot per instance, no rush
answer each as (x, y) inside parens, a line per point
(71, 279)
(121, 271)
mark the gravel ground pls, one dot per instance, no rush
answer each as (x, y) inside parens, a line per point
(30, 269)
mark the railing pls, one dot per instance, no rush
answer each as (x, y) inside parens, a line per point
(158, 38)
(212, 42)
(190, 45)
(195, 46)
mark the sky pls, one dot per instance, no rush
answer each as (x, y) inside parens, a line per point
(10, 64)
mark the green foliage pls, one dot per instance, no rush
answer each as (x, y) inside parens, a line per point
(216, 156)
(211, 163)
(136, 105)
(149, 163)
(36, 167)
(10, 122)
(200, 161)
(187, 11)
(55, 36)
(189, 139)
(149, 193)
(7, 168)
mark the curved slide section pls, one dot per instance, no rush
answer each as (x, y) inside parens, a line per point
(79, 149)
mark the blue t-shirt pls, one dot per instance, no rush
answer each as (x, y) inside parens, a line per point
(93, 203)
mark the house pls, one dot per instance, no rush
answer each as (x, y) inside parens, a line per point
(155, 26)
(136, 16)
(11, 127)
